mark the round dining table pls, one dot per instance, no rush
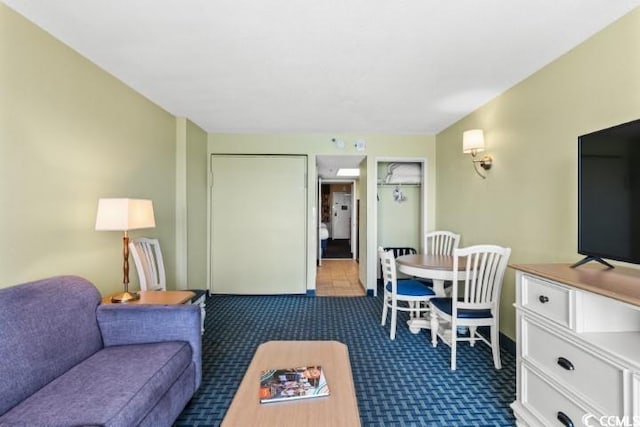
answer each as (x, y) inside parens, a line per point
(437, 268)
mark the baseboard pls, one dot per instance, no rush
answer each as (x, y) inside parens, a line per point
(506, 343)
(367, 292)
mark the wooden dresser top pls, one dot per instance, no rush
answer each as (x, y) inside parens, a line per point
(620, 283)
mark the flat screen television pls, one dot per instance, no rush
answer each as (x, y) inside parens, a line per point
(609, 194)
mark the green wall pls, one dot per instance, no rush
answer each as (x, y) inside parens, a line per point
(69, 134)
(191, 206)
(311, 145)
(196, 177)
(529, 199)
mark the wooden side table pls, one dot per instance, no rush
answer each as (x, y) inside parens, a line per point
(158, 297)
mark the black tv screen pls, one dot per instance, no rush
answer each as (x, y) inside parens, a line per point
(609, 193)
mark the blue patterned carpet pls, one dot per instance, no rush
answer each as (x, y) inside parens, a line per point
(404, 382)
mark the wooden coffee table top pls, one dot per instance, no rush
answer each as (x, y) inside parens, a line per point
(158, 297)
(340, 408)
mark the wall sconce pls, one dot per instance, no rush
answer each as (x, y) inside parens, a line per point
(473, 143)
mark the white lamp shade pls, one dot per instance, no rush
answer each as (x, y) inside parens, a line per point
(472, 140)
(124, 214)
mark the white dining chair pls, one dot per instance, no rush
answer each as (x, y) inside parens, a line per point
(476, 304)
(440, 242)
(415, 294)
(147, 258)
(399, 251)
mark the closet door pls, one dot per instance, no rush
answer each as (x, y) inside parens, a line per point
(258, 224)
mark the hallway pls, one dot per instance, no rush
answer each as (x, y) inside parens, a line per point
(338, 278)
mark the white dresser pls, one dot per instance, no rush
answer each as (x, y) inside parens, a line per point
(578, 345)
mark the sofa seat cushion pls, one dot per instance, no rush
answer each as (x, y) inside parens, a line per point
(117, 386)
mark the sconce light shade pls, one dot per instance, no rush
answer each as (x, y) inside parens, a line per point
(472, 141)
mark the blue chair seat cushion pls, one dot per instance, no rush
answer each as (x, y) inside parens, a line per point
(444, 305)
(429, 282)
(413, 288)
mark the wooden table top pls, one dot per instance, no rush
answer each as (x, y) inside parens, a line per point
(620, 283)
(340, 408)
(157, 297)
(433, 262)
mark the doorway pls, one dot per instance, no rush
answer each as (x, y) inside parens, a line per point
(338, 272)
(337, 218)
(338, 278)
(400, 211)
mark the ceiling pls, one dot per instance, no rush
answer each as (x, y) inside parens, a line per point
(330, 66)
(327, 166)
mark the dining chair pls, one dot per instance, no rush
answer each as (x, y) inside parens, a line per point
(440, 242)
(400, 251)
(147, 257)
(415, 294)
(474, 304)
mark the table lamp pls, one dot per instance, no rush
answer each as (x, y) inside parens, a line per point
(124, 215)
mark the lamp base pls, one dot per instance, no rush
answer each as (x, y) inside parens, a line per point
(125, 297)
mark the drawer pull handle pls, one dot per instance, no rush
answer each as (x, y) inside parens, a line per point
(565, 363)
(543, 299)
(564, 419)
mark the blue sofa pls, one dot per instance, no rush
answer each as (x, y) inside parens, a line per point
(66, 360)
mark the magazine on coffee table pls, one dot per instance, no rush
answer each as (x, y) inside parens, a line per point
(277, 385)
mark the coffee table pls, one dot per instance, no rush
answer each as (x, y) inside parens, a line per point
(340, 408)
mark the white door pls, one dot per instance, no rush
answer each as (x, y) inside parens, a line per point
(341, 216)
(258, 224)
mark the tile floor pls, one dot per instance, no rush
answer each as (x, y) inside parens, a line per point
(338, 278)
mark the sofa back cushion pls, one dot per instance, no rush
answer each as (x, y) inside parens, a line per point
(46, 327)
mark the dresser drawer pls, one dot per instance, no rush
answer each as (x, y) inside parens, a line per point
(548, 300)
(600, 382)
(553, 407)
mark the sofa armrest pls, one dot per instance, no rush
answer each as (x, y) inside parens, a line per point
(140, 324)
